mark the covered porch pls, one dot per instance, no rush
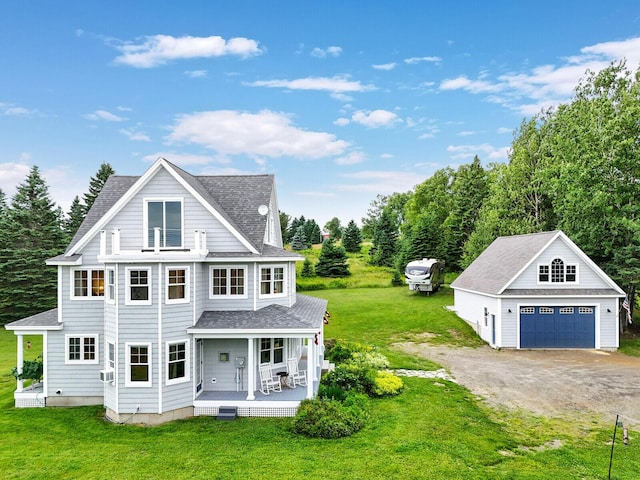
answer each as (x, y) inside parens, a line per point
(30, 393)
(230, 346)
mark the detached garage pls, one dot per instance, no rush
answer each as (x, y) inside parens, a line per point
(539, 291)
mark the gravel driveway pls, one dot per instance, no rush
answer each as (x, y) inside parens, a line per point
(553, 383)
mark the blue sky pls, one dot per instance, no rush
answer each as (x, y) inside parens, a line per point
(340, 100)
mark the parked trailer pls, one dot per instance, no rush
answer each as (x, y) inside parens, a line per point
(426, 275)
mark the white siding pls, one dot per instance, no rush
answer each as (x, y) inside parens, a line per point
(587, 277)
(223, 372)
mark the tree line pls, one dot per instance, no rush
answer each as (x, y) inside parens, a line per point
(575, 167)
(32, 230)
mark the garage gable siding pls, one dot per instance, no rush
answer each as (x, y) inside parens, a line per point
(587, 277)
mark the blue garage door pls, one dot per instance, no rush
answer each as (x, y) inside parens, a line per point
(557, 327)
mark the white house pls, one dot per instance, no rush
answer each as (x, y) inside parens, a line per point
(539, 291)
(173, 292)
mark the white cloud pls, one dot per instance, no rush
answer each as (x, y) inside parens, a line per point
(266, 133)
(466, 133)
(341, 97)
(416, 60)
(472, 86)
(103, 115)
(503, 130)
(384, 66)
(351, 158)
(157, 50)
(324, 52)
(386, 156)
(484, 151)
(383, 182)
(11, 110)
(341, 122)
(195, 73)
(183, 159)
(543, 86)
(334, 84)
(124, 109)
(135, 136)
(376, 118)
(11, 175)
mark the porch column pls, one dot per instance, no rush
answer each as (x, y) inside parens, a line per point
(251, 370)
(20, 385)
(311, 366)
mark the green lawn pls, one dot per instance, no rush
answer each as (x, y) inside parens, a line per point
(433, 430)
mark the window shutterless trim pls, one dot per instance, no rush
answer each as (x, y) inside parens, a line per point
(169, 361)
(129, 286)
(91, 283)
(87, 345)
(229, 284)
(175, 286)
(128, 364)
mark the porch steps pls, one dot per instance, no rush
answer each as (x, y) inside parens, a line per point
(227, 413)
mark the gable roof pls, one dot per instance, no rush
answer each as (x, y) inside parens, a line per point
(503, 261)
(234, 200)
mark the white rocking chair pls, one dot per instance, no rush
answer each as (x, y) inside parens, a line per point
(268, 382)
(295, 377)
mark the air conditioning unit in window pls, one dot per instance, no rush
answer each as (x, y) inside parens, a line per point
(106, 376)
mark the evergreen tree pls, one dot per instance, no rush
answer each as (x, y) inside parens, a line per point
(95, 185)
(425, 239)
(284, 224)
(332, 261)
(312, 232)
(385, 240)
(299, 240)
(293, 226)
(351, 238)
(30, 233)
(74, 218)
(307, 269)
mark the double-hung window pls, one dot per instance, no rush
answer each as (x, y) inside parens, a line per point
(228, 282)
(138, 373)
(177, 362)
(272, 350)
(166, 216)
(177, 290)
(138, 286)
(81, 349)
(272, 281)
(111, 285)
(87, 284)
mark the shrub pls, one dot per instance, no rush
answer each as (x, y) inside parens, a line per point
(350, 377)
(373, 360)
(396, 279)
(328, 418)
(307, 269)
(31, 370)
(331, 392)
(387, 384)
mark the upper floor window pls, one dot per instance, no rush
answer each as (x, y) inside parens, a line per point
(166, 215)
(177, 285)
(228, 282)
(272, 280)
(111, 285)
(87, 284)
(557, 272)
(81, 349)
(138, 286)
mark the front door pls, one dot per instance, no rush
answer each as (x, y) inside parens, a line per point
(199, 360)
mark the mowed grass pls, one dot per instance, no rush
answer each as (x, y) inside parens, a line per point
(433, 430)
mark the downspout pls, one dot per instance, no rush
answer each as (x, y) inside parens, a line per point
(160, 358)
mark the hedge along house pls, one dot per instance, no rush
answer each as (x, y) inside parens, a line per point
(173, 292)
(539, 291)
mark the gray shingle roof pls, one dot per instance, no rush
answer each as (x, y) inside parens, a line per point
(47, 319)
(561, 292)
(501, 261)
(307, 313)
(235, 197)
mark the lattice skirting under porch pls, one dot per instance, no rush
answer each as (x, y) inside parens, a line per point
(249, 411)
(30, 401)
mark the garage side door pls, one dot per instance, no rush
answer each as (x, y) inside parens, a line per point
(557, 327)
